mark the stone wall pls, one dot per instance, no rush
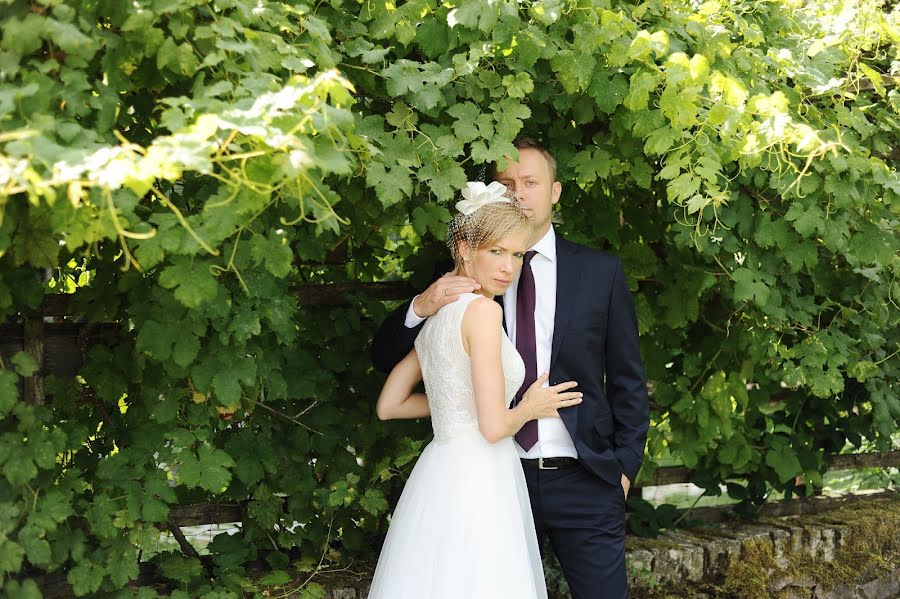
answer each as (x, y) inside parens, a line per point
(849, 553)
(852, 552)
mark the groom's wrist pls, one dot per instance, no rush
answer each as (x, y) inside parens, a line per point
(412, 306)
(412, 319)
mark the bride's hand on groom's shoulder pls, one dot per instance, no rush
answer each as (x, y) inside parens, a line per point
(545, 402)
(445, 290)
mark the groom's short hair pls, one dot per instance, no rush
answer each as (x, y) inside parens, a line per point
(530, 143)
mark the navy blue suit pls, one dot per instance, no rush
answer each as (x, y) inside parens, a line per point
(595, 342)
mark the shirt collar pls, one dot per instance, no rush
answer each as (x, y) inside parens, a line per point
(546, 245)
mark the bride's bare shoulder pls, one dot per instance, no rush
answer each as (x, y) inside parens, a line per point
(482, 324)
(482, 311)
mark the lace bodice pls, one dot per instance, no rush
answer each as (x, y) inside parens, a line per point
(447, 370)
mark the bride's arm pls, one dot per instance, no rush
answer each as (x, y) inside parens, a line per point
(482, 337)
(397, 399)
(482, 334)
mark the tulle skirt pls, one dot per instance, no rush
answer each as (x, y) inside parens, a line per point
(463, 527)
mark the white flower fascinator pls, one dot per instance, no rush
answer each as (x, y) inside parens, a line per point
(477, 194)
(472, 226)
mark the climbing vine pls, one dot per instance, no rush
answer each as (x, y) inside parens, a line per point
(183, 168)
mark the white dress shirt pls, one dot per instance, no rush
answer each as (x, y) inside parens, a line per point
(554, 440)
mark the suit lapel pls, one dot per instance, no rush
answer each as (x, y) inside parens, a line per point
(567, 277)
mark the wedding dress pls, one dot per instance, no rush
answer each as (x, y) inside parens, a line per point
(463, 527)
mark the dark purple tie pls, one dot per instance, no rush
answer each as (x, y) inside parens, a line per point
(527, 345)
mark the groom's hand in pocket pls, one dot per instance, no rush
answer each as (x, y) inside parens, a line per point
(626, 485)
(445, 290)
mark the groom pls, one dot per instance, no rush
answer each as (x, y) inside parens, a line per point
(569, 313)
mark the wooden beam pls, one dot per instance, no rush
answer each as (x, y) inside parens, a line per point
(65, 343)
(667, 475)
(33, 345)
(670, 475)
(55, 305)
(854, 461)
(325, 294)
(332, 294)
(787, 507)
(887, 81)
(205, 513)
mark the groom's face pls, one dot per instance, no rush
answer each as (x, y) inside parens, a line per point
(531, 180)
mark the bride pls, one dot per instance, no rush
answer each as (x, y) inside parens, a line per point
(463, 526)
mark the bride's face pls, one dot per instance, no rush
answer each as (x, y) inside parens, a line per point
(495, 266)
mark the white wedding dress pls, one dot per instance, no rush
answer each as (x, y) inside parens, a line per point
(463, 527)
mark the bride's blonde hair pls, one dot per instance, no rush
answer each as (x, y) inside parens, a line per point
(485, 227)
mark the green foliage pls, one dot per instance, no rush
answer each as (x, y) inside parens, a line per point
(646, 521)
(181, 167)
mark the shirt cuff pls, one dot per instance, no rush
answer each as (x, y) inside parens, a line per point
(412, 319)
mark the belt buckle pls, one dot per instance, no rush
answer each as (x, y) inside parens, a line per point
(542, 467)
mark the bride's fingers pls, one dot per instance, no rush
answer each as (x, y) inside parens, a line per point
(568, 396)
(539, 381)
(563, 386)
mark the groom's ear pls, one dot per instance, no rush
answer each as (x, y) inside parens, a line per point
(556, 191)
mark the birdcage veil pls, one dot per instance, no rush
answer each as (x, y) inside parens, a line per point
(486, 214)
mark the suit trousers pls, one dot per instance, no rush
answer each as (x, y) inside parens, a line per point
(584, 518)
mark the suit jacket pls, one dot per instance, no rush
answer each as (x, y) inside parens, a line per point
(595, 342)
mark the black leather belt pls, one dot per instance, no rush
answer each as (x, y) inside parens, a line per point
(548, 463)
